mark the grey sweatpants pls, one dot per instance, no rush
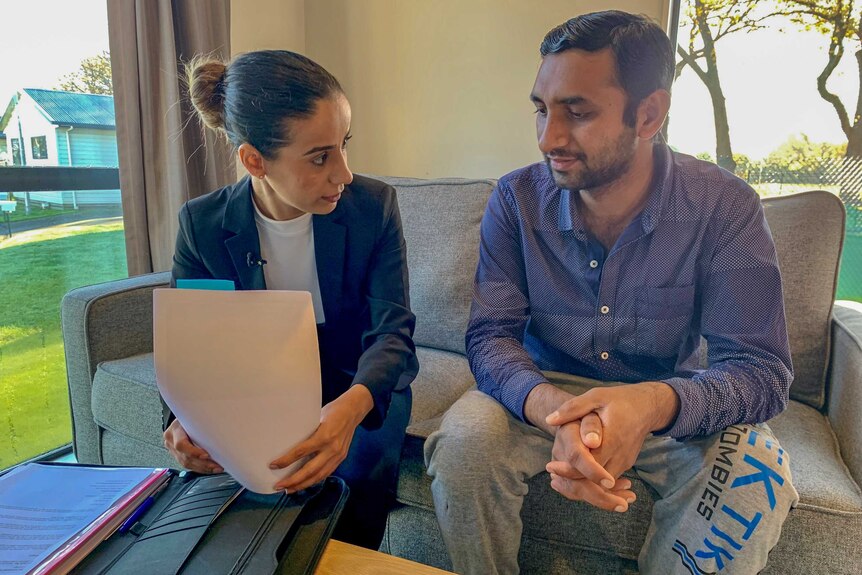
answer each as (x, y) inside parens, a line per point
(722, 501)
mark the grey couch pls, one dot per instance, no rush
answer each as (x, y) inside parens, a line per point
(117, 414)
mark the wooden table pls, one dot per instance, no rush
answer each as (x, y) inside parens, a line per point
(344, 559)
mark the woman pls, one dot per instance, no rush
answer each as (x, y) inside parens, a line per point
(301, 221)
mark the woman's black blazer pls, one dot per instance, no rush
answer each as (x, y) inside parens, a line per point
(361, 267)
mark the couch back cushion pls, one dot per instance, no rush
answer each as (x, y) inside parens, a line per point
(441, 220)
(808, 230)
(441, 226)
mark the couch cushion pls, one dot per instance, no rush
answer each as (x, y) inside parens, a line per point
(126, 399)
(830, 507)
(441, 227)
(819, 475)
(808, 230)
(443, 377)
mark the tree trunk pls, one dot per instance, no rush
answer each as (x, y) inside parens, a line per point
(850, 180)
(723, 151)
(854, 142)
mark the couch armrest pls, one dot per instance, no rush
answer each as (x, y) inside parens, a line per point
(103, 322)
(845, 385)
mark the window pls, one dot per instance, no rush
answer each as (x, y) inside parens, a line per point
(62, 238)
(746, 97)
(39, 145)
(16, 152)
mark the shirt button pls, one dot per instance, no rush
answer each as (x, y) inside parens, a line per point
(594, 264)
(604, 355)
(605, 309)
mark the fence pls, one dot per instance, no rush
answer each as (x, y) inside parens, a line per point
(841, 176)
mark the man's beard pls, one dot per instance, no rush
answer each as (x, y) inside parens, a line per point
(606, 166)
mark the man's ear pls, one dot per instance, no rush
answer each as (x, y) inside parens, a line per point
(652, 112)
(252, 160)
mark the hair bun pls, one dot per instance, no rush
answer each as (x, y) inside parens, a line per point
(205, 76)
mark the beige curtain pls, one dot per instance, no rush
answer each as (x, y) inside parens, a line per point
(165, 156)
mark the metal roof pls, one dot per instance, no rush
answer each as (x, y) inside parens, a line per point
(74, 109)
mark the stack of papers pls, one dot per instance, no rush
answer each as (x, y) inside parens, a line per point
(53, 516)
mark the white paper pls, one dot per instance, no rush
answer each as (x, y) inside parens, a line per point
(241, 371)
(42, 507)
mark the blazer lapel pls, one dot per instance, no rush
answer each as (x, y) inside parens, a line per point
(244, 246)
(330, 238)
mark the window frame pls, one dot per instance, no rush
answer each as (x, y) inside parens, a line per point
(16, 151)
(42, 147)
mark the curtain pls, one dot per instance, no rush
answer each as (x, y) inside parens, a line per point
(166, 157)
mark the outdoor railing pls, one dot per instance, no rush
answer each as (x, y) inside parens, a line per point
(57, 178)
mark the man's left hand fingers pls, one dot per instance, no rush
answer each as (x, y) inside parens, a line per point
(591, 430)
(572, 410)
(563, 469)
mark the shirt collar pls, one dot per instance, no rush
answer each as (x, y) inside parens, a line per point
(569, 218)
(662, 182)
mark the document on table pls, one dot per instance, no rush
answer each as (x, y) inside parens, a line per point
(241, 371)
(42, 507)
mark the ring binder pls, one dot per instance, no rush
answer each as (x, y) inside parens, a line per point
(253, 535)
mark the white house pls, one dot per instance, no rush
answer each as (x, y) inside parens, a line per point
(57, 128)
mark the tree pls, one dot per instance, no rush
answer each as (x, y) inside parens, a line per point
(800, 154)
(744, 165)
(840, 21)
(709, 21)
(94, 76)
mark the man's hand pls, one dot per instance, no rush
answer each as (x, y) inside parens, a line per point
(583, 478)
(627, 412)
(329, 444)
(546, 398)
(574, 446)
(186, 453)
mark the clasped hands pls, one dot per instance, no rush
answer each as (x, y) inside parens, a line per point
(324, 450)
(597, 437)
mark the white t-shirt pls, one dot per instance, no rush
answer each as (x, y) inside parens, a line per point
(288, 248)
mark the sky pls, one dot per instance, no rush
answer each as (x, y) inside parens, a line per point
(44, 40)
(768, 76)
(769, 80)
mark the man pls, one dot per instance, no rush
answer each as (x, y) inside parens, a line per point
(609, 263)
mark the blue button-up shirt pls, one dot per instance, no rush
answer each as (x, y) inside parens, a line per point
(699, 260)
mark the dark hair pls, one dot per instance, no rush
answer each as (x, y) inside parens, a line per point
(254, 97)
(642, 51)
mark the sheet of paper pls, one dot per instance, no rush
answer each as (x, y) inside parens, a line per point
(43, 506)
(241, 371)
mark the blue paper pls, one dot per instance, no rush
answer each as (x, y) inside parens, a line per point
(217, 285)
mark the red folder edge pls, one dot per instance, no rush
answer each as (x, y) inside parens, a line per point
(56, 562)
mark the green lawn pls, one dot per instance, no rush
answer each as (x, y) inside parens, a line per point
(36, 212)
(37, 268)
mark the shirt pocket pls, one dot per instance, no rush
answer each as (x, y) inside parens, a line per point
(663, 319)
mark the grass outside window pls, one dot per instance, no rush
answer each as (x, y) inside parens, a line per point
(38, 267)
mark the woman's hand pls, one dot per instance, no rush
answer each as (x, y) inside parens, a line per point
(329, 444)
(188, 454)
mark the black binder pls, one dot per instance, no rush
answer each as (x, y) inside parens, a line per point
(255, 534)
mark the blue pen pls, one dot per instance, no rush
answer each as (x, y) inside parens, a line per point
(143, 507)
